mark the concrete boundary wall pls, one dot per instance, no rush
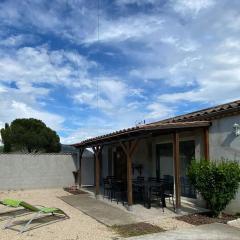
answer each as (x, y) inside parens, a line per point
(29, 171)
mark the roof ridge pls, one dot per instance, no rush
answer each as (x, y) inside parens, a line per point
(198, 117)
(228, 105)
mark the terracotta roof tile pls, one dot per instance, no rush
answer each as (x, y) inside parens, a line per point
(207, 114)
(194, 119)
(145, 128)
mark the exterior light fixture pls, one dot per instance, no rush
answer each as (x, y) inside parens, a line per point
(236, 129)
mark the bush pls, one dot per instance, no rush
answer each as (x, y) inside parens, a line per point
(217, 182)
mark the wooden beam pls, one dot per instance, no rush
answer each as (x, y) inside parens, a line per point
(129, 148)
(134, 146)
(97, 151)
(81, 150)
(129, 182)
(206, 143)
(117, 140)
(124, 147)
(177, 171)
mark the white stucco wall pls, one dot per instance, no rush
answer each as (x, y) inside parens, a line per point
(223, 142)
(225, 145)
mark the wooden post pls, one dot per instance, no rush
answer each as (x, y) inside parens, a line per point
(129, 148)
(97, 151)
(206, 143)
(177, 171)
(81, 150)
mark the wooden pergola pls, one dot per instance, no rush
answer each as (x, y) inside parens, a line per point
(128, 139)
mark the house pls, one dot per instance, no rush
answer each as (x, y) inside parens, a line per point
(165, 148)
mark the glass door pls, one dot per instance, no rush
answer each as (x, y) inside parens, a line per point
(187, 153)
(165, 164)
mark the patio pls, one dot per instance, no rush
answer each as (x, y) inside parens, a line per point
(110, 213)
(117, 155)
(91, 218)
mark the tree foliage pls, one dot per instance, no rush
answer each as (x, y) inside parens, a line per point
(218, 182)
(29, 135)
(5, 134)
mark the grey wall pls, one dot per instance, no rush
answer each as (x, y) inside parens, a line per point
(142, 155)
(225, 145)
(87, 171)
(28, 171)
(222, 141)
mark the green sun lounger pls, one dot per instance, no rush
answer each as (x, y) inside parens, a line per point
(11, 202)
(38, 210)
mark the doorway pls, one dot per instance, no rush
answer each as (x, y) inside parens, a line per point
(120, 164)
(165, 166)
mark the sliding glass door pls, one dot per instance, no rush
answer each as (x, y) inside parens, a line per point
(165, 166)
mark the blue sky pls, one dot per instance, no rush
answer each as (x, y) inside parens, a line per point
(155, 59)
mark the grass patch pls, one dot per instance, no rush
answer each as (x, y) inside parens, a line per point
(136, 229)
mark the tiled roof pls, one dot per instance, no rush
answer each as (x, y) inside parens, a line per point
(144, 129)
(195, 119)
(206, 114)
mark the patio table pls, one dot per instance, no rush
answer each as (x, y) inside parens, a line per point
(148, 188)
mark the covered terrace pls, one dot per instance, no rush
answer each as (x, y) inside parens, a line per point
(128, 140)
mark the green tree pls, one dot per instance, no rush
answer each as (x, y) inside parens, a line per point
(218, 182)
(29, 135)
(6, 138)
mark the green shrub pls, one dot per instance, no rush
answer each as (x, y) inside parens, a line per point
(217, 182)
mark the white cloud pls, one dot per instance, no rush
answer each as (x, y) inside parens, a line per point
(218, 87)
(230, 43)
(86, 98)
(111, 95)
(138, 2)
(192, 6)
(40, 65)
(199, 57)
(16, 40)
(35, 72)
(188, 48)
(126, 28)
(157, 111)
(11, 109)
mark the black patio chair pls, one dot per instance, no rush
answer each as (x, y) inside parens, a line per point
(152, 179)
(118, 191)
(140, 179)
(169, 192)
(111, 177)
(155, 179)
(106, 188)
(139, 189)
(157, 194)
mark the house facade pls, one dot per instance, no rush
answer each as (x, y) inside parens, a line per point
(165, 149)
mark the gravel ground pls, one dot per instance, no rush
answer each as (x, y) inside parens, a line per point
(170, 223)
(79, 226)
